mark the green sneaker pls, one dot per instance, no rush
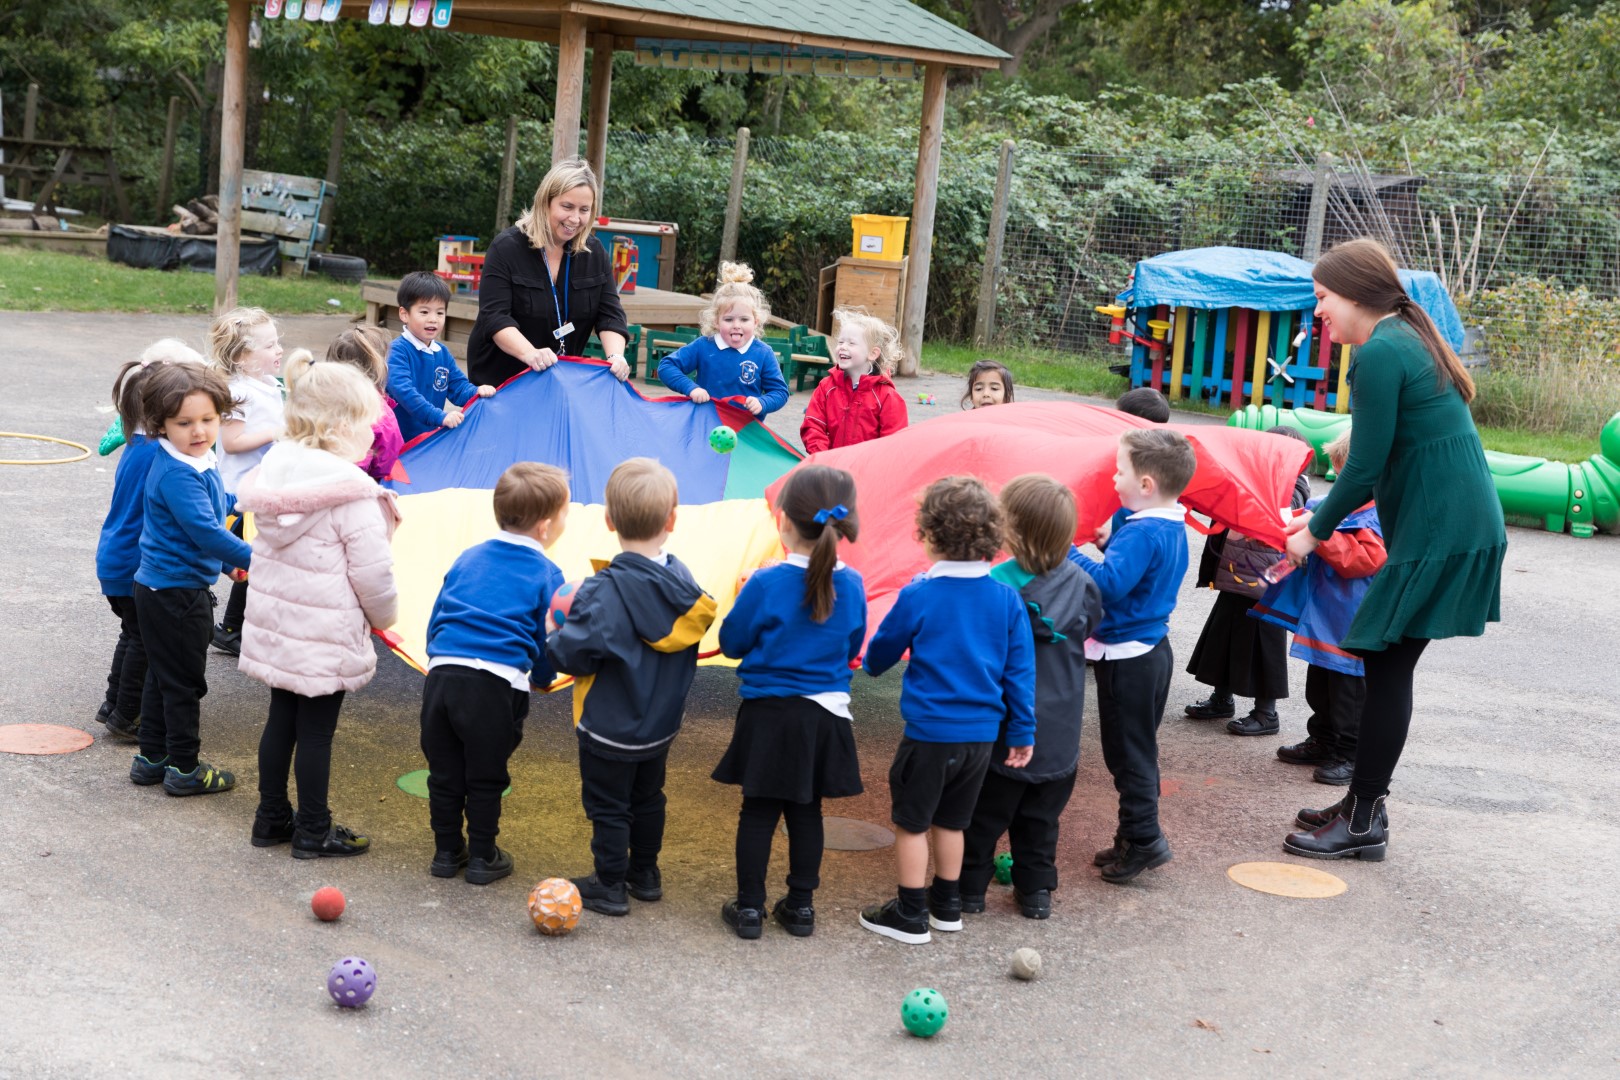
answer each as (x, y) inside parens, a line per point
(203, 780)
(146, 773)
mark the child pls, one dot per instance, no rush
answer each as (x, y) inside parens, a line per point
(795, 627)
(1146, 402)
(631, 640)
(118, 551)
(988, 383)
(728, 360)
(243, 343)
(486, 647)
(366, 348)
(970, 682)
(428, 389)
(1317, 605)
(322, 577)
(1236, 654)
(857, 401)
(184, 546)
(1138, 579)
(1063, 609)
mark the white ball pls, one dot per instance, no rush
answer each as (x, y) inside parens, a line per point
(1026, 964)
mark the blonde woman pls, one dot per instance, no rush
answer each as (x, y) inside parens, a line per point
(548, 285)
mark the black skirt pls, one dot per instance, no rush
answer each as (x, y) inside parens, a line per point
(1247, 656)
(791, 749)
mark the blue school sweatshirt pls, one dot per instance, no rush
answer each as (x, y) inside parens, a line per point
(726, 373)
(420, 382)
(1139, 576)
(118, 552)
(785, 653)
(184, 541)
(492, 607)
(972, 658)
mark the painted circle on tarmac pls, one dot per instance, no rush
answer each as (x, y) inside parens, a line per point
(42, 739)
(1287, 879)
(415, 783)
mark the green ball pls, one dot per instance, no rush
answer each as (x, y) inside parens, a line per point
(1004, 868)
(722, 440)
(924, 1012)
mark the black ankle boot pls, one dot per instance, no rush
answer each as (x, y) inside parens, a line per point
(1359, 831)
(1311, 820)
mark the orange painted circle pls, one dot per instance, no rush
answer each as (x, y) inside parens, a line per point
(1287, 879)
(42, 739)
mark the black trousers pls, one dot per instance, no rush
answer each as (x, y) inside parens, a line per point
(236, 603)
(298, 738)
(756, 828)
(1130, 706)
(1028, 814)
(472, 721)
(1386, 716)
(176, 625)
(127, 678)
(625, 802)
(1336, 702)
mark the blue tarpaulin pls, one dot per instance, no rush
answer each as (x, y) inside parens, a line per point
(1222, 277)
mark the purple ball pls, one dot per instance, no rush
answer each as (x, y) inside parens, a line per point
(351, 982)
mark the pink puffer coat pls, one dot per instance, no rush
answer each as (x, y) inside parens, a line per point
(322, 571)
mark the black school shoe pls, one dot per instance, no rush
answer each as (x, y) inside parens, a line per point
(1211, 708)
(749, 922)
(1310, 752)
(226, 641)
(600, 897)
(798, 921)
(1337, 773)
(120, 728)
(203, 780)
(1036, 904)
(973, 905)
(645, 885)
(269, 835)
(1136, 858)
(1109, 854)
(888, 920)
(1256, 723)
(485, 871)
(447, 864)
(339, 841)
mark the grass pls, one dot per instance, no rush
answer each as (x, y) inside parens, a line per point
(54, 281)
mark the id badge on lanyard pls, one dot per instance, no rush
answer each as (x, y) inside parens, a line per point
(564, 325)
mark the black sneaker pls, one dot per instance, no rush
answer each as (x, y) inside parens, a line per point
(944, 912)
(1336, 773)
(276, 833)
(1310, 752)
(119, 728)
(1034, 905)
(203, 780)
(339, 841)
(448, 863)
(1256, 723)
(226, 641)
(1211, 708)
(973, 905)
(1135, 859)
(749, 922)
(146, 773)
(645, 885)
(600, 897)
(888, 920)
(798, 921)
(484, 871)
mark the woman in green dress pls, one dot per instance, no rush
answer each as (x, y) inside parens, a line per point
(1415, 451)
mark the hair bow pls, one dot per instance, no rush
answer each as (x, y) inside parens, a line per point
(840, 512)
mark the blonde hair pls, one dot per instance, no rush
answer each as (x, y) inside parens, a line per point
(566, 175)
(328, 405)
(364, 348)
(228, 336)
(735, 287)
(877, 334)
(126, 392)
(1338, 451)
(640, 496)
(528, 493)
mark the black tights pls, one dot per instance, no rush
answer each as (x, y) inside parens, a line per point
(1386, 715)
(298, 738)
(756, 827)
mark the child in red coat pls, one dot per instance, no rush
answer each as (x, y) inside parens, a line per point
(857, 401)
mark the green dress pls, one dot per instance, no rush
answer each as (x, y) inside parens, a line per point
(1414, 449)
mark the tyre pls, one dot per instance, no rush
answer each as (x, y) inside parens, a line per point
(339, 267)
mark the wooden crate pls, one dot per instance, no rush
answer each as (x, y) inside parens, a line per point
(879, 287)
(294, 209)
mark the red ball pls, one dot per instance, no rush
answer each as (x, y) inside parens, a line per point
(562, 602)
(327, 903)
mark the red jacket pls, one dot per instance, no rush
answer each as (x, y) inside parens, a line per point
(841, 415)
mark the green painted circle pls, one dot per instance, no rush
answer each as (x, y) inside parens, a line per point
(415, 783)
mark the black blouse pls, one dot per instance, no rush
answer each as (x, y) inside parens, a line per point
(517, 291)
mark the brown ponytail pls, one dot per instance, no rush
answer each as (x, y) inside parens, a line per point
(1362, 271)
(820, 501)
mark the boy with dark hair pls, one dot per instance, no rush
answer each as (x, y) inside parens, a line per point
(970, 681)
(486, 647)
(1138, 579)
(630, 641)
(428, 389)
(1146, 402)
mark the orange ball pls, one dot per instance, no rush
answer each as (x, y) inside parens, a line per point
(327, 903)
(554, 905)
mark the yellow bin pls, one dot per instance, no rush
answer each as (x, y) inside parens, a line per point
(879, 237)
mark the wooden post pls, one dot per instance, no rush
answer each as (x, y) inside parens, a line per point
(228, 249)
(166, 177)
(334, 150)
(1319, 200)
(984, 324)
(922, 216)
(570, 87)
(596, 130)
(739, 166)
(25, 187)
(503, 201)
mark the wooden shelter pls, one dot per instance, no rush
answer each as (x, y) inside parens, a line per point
(865, 30)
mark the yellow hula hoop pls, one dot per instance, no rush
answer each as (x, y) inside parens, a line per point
(83, 451)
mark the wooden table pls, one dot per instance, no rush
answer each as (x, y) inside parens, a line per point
(72, 163)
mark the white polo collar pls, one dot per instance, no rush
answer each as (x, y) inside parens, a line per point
(803, 561)
(1173, 512)
(418, 343)
(719, 344)
(201, 464)
(952, 568)
(520, 541)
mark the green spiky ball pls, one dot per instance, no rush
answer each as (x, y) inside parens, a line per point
(1004, 868)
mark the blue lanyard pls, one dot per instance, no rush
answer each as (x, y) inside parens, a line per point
(562, 308)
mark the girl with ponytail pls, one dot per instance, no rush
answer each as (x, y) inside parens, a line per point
(796, 627)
